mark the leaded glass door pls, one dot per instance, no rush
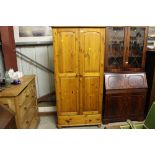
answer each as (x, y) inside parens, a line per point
(136, 47)
(115, 48)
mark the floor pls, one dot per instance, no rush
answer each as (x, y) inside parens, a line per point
(49, 122)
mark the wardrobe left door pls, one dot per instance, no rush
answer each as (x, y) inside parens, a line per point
(66, 62)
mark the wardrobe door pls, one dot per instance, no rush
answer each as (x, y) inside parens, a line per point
(66, 50)
(91, 69)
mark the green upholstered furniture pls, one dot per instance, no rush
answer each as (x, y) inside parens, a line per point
(149, 122)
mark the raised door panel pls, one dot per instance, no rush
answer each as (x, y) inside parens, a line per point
(90, 95)
(91, 69)
(115, 107)
(136, 105)
(66, 48)
(69, 92)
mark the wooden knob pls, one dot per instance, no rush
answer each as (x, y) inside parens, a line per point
(25, 108)
(34, 96)
(27, 95)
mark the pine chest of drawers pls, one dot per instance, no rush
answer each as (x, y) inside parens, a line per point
(22, 100)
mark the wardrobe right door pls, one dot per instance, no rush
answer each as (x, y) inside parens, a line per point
(92, 41)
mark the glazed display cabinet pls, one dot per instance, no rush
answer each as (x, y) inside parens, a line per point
(125, 49)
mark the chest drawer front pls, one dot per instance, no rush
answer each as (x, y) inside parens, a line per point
(23, 110)
(24, 96)
(6, 100)
(25, 102)
(9, 102)
(27, 94)
(31, 113)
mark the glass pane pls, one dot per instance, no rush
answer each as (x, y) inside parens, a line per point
(116, 46)
(136, 46)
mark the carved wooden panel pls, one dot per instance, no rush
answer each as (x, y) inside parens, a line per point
(125, 81)
(115, 81)
(136, 80)
(137, 104)
(115, 106)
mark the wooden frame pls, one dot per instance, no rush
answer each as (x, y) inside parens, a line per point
(31, 40)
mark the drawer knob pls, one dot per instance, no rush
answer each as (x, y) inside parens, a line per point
(27, 122)
(25, 108)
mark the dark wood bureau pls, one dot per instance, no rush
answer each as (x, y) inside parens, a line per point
(124, 97)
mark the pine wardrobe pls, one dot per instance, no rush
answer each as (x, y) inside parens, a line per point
(79, 65)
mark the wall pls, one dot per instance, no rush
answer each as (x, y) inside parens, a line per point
(1, 63)
(42, 54)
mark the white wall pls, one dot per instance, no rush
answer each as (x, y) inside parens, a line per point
(42, 54)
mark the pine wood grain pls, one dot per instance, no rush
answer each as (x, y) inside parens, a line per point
(78, 63)
(14, 90)
(22, 100)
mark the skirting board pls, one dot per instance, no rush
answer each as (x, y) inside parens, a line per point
(47, 109)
